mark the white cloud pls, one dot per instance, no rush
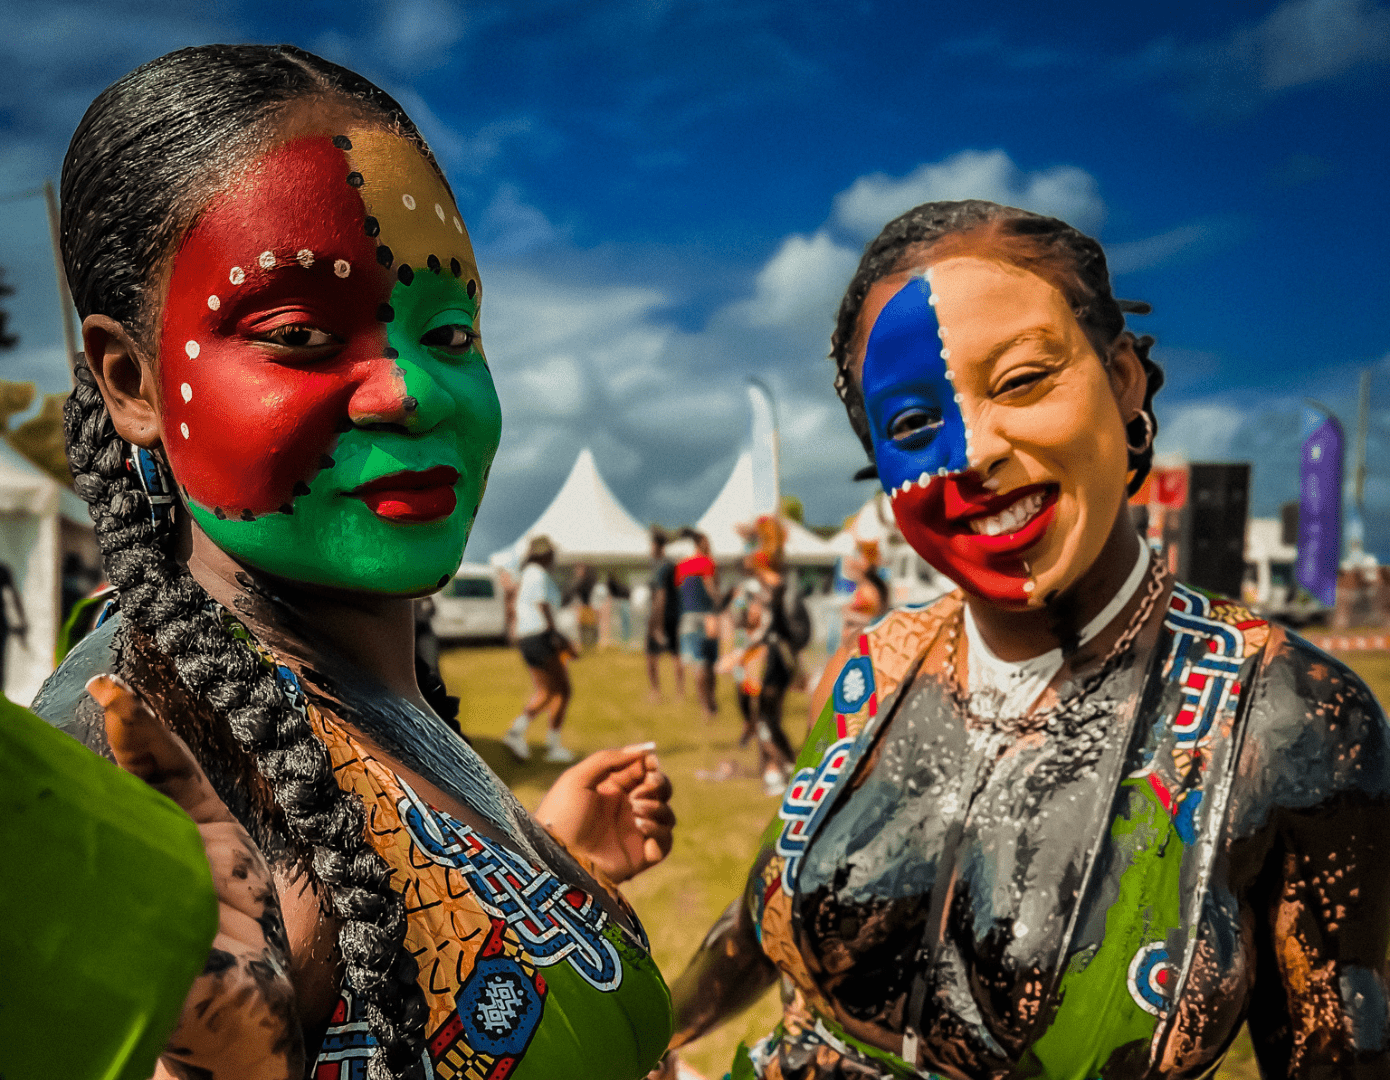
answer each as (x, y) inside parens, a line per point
(1063, 191)
(510, 226)
(1304, 41)
(1201, 431)
(1154, 250)
(802, 282)
(417, 35)
(554, 386)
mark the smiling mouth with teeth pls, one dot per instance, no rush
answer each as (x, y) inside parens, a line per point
(1012, 518)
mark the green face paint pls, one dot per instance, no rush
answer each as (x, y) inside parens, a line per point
(329, 414)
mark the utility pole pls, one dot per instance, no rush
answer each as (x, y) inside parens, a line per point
(50, 198)
(1363, 419)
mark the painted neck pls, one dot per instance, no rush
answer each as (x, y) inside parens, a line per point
(1019, 635)
(322, 629)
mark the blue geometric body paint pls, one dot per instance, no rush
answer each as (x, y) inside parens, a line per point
(906, 383)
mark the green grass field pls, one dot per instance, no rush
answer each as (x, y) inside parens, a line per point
(719, 821)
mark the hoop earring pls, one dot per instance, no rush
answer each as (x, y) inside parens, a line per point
(155, 481)
(1148, 434)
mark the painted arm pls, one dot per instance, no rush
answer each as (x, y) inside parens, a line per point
(241, 1019)
(727, 974)
(1320, 1005)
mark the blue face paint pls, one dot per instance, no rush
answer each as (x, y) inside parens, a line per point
(917, 428)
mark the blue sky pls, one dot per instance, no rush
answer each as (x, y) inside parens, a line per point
(668, 196)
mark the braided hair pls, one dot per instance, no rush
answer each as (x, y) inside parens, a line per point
(1060, 254)
(137, 170)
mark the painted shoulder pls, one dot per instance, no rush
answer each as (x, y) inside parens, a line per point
(1316, 731)
(896, 640)
(63, 701)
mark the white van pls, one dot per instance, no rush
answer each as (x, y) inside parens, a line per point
(471, 607)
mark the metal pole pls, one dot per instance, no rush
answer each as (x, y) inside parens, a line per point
(50, 198)
(1363, 419)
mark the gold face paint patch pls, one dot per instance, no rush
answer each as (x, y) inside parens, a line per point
(411, 215)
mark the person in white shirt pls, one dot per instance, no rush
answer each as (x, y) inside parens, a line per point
(542, 648)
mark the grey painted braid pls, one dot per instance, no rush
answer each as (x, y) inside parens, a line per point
(161, 598)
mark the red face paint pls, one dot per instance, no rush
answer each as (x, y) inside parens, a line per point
(936, 521)
(246, 429)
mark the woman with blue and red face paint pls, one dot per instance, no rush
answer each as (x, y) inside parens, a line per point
(283, 424)
(1074, 819)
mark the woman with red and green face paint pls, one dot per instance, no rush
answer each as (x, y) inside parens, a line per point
(1074, 820)
(283, 424)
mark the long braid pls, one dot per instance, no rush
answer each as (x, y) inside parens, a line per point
(161, 599)
(1073, 260)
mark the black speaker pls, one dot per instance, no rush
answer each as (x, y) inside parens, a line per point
(1218, 497)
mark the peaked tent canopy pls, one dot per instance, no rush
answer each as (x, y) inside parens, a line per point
(586, 523)
(874, 521)
(736, 505)
(40, 522)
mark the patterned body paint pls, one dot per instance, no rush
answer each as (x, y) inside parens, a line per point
(357, 457)
(922, 450)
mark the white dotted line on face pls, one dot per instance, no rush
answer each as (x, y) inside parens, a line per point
(941, 333)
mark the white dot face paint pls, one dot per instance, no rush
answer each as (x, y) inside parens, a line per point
(439, 211)
(187, 392)
(237, 275)
(183, 430)
(342, 267)
(214, 303)
(408, 201)
(267, 260)
(304, 257)
(191, 348)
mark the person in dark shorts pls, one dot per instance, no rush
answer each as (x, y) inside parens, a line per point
(542, 648)
(663, 619)
(700, 600)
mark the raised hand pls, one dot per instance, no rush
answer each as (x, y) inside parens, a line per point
(615, 808)
(239, 1020)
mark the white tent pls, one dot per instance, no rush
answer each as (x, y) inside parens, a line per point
(39, 519)
(874, 521)
(736, 505)
(586, 523)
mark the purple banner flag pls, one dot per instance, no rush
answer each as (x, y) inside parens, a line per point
(1320, 505)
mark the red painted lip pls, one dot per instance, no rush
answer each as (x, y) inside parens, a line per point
(411, 497)
(961, 503)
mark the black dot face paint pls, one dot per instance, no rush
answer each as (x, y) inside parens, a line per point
(405, 274)
(384, 256)
(355, 179)
(455, 268)
(385, 313)
(390, 353)
(371, 226)
(433, 263)
(472, 288)
(246, 515)
(443, 581)
(342, 142)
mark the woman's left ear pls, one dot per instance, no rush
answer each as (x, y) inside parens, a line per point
(1127, 377)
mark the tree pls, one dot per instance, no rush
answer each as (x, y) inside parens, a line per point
(793, 510)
